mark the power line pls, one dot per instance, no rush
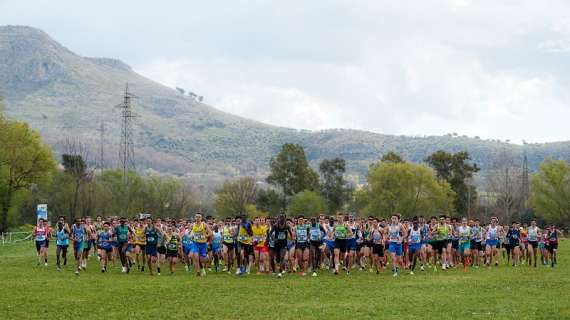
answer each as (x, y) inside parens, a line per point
(127, 146)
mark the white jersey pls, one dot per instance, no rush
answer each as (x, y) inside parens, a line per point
(532, 234)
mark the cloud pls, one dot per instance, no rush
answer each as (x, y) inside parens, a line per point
(487, 68)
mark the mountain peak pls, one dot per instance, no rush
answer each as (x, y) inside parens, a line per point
(29, 58)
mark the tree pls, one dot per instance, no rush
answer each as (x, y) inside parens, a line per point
(233, 197)
(392, 157)
(504, 182)
(406, 188)
(307, 203)
(270, 201)
(24, 161)
(334, 188)
(75, 166)
(290, 170)
(550, 191)
(457, 171)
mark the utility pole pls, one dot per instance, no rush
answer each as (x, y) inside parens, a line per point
(101, 161)
(127, 147)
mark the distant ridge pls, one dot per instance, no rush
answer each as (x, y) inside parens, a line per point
(62, 94)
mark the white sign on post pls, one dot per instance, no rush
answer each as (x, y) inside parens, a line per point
(42, 212)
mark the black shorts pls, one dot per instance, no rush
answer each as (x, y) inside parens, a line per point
(551, 247)
(476, 245)
(378, 249)
(534, 244)
(172, 254)
(247, 248)
(47, 242)
(340, 244)
(40, 244)
(455, 244)
(438, 245)
(229, 245)
(301, 245)
(107, 250)
(161, 250)
(316, 244)
(142, 246)
(90, 244)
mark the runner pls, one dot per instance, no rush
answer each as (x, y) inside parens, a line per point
(172, 240)
(414, 243)
(151, 234)
(139, 241)
(351, 243)
(524, 244)
(316, 234)
(104, 245)
(425, 250)
(62, 243)
(245, 246)
(534, 234)
(280, 233)
(202, 233)
(228, 242)
(217, 246)
(514, 235)
(90, 240)
(302, 244)
(341, 232)
(464, 233)
(396, 235)
(41, 234)
(377, 238)
(440, 234)
(78, 233)
(122, 233)
(492, 233)
(476, 238)
(553, 243)
(187, 244)
(260, 245)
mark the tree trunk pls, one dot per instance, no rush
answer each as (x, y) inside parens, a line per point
(6, 201)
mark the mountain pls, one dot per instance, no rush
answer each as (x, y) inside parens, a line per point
(62, 95)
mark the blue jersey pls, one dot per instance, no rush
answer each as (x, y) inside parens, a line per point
(217, 241)
(316, 233)
(62, 238)
(104, 240)
(186, 240)
(415, 236)
(77, 233)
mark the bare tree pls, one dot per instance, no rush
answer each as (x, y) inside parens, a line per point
(75, 160)
(504, 186)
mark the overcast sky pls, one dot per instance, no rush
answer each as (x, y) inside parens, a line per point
(495, 69)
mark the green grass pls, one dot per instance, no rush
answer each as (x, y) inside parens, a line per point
(29, 292)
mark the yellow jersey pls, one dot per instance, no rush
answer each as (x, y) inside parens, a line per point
(243, 236)
(259, 235)
(199, 231)
(140, 236)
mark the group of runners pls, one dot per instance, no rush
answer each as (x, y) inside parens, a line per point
(288, 245)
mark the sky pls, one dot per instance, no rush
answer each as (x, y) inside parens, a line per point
(493, 69)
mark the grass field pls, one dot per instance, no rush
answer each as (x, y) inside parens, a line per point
(31, 292)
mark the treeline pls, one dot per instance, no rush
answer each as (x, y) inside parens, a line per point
(445, 183)
(442, 183)
(29, 175)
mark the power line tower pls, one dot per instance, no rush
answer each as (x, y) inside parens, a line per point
(101, 162)
(127, 146)
(525, 187)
